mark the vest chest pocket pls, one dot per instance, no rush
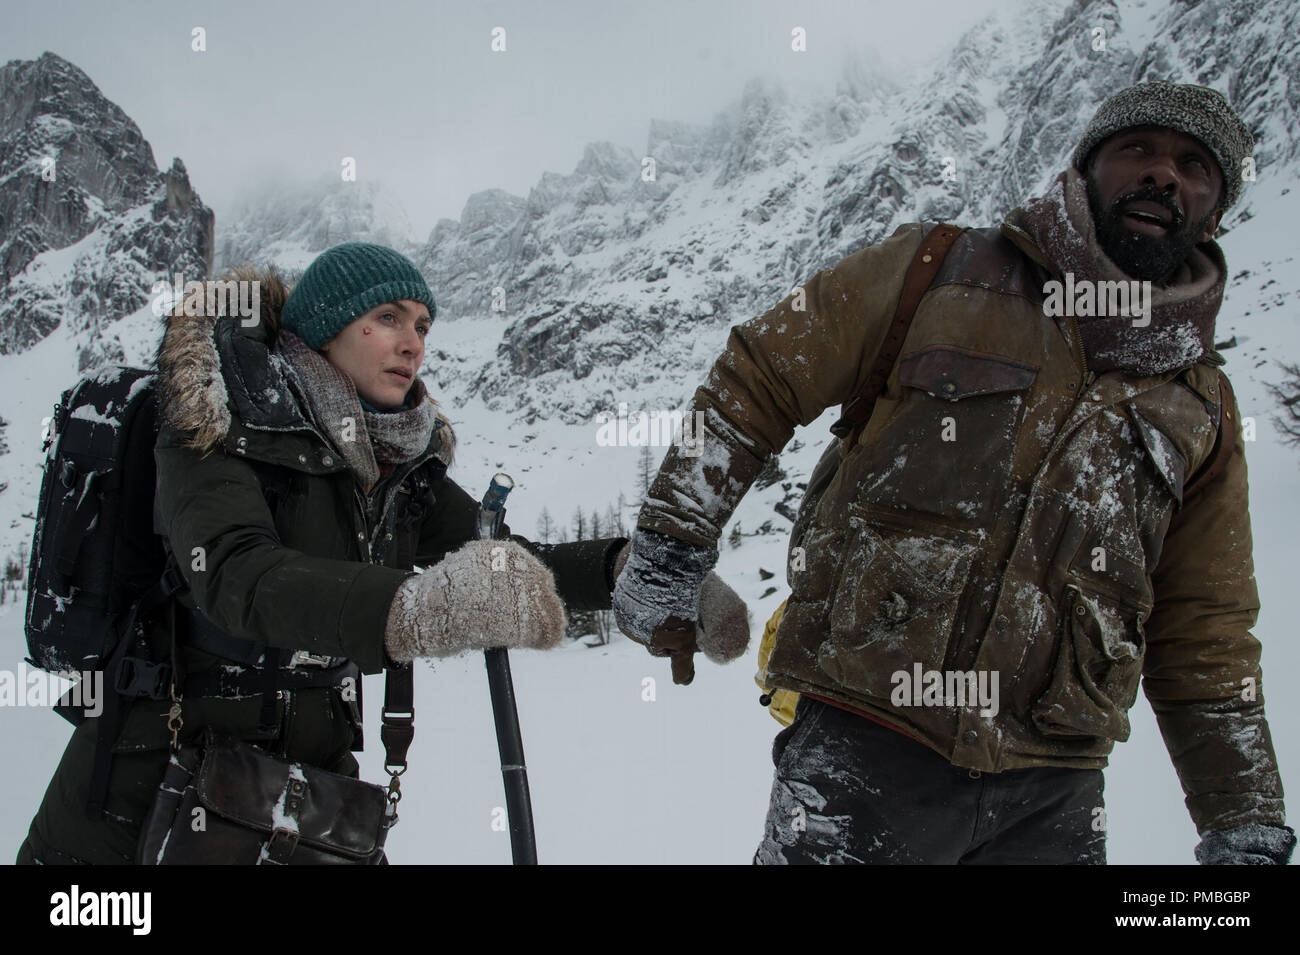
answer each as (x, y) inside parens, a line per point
(896, 601)
(947, 450)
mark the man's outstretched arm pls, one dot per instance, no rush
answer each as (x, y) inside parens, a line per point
(1203, 679)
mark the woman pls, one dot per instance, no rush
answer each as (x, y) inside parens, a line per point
(301, 475)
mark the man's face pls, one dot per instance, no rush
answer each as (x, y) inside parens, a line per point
(1154, 195)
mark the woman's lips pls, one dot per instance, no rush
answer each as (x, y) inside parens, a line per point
(400, 376)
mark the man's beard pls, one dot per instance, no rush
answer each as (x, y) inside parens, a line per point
(1144, 257)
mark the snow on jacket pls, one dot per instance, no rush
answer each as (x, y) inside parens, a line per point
(1005, 513)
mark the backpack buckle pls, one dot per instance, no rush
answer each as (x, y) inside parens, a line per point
(172, 581)
(137, 677)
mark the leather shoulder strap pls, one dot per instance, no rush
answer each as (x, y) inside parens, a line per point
(1224, 443)
(920, 273)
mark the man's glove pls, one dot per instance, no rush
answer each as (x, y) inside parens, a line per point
(490, 593)
(1253, 844)
(663, 587)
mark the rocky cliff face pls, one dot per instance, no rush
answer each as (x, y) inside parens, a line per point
(87, 221)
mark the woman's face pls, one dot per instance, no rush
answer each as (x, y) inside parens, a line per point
(377, 346)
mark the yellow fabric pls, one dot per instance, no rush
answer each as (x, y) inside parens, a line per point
(783, 701)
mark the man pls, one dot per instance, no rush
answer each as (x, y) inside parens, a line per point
(1048, 503)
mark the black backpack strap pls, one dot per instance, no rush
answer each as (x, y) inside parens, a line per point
(128, 676)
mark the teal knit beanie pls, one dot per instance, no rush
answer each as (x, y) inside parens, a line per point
(345, 282)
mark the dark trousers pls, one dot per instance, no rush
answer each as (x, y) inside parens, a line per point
(848, 790)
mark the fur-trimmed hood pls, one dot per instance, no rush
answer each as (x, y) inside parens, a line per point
(211, 365)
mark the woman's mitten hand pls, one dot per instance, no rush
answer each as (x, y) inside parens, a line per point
(490, 593)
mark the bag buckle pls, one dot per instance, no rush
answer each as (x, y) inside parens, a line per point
(281, 845)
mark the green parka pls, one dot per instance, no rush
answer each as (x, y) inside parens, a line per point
(279, 545)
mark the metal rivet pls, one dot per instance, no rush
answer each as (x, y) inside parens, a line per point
(949, 387)
(1080, 610)
(1002, 621)
(388, 536)
(926, 258)
(972, 737)
(302, 459)
(327, 460)
(361, 535)
(975, 774)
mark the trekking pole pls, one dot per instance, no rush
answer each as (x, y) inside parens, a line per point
(510, 744)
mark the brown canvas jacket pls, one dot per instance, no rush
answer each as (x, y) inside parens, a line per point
(1006, 512)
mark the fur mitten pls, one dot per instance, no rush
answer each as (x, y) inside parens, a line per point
(724, 621)
(490, 593)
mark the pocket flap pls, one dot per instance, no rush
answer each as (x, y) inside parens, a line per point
(328, 811)
(1164, 454)
(953, 373)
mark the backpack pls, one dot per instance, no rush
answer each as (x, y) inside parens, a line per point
(95, 556)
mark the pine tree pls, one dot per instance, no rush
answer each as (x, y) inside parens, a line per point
(545, 526)
(579, 525)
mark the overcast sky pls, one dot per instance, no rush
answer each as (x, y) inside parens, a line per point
(415, 93)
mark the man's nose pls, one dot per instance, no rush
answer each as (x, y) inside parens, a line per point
(1162, 172)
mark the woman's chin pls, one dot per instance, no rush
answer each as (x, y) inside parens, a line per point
(388, 398)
